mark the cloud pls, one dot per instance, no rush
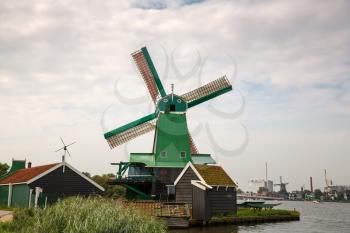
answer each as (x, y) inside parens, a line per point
(160, 5)
(60, 61)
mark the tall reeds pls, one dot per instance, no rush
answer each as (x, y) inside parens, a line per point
(85, 215)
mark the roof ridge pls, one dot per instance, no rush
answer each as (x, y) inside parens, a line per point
(25, 174)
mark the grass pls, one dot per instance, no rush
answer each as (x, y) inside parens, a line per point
(79, 215)
(246, 212)
(268, 212)
(6, 227)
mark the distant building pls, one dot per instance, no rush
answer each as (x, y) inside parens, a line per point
(296, 195)
(41, 185)
(256, 184)
(270, 186)
(336, 188)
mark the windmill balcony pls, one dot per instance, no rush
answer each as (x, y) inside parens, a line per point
(131, 179)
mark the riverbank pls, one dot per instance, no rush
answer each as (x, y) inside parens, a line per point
(250, 216)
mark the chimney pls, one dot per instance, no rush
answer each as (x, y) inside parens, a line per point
(29, 164)
(311, 186)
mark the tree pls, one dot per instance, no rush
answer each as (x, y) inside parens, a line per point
(317, 194)
(3, 168)
(112, 191)
(239, 191)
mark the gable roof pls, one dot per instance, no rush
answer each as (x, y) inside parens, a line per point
(214, 175)
(29, 175)
(26, 174)
(208, 175)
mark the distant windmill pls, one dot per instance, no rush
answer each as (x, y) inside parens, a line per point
(283, 189)
(65, 149)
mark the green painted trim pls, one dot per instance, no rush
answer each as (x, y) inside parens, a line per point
(210, 96)
(146, 158)
(154, 71)
(130, 125)
(202, 159)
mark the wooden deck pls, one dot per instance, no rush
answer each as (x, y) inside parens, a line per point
(173, 214)
(178, 215)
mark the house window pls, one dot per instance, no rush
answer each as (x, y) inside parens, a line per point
(183, 154)
(172, 107)
(163, 154)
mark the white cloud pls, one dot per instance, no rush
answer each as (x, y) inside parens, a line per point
(60, 60)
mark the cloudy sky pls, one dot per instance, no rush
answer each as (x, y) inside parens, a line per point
(66, 70)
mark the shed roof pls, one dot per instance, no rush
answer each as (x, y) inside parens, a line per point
(26, 174)
(208, 175)
(214, 175)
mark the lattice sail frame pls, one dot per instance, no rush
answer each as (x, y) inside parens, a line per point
(146, 74)
(206, 90)
(130, 134)
(193, 146)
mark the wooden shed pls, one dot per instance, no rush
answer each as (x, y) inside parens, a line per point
(207, 189)
(41, 185)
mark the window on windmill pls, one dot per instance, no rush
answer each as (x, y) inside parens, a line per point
(163, 154)
(172, 107)
(183, 154)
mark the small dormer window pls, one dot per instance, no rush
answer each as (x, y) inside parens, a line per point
(165, 100)
(183, 154)
(179, 101)
(163, 154)
(172, 107)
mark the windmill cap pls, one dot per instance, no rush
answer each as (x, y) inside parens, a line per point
(172, 103)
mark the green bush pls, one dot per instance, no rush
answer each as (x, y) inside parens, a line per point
(89, 215)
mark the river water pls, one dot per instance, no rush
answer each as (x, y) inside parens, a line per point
(318, 218)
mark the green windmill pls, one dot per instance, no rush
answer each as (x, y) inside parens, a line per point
(149, 174)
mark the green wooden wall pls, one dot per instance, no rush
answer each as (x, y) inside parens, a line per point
(20, 195)
(4, 191)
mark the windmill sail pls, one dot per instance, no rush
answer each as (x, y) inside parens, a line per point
(193, 146)
(149, 74)
(207, 92)
(130, 131)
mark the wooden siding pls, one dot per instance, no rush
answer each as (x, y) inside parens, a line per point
(69, 183)
(4, 191)
(20, 195)
(183, 188)
(222, 201)
(200, 205)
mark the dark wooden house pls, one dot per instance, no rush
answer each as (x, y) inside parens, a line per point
(207, 189)
(42, 185)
